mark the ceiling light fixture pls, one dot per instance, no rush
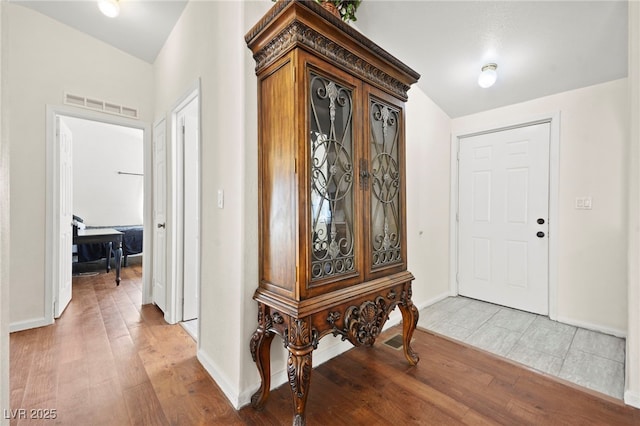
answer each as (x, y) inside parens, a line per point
(488, 76)
(110, 8)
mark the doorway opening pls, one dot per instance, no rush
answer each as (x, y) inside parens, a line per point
(109, 191)
(503, 217)
(186, 122)
(176, 213)
(506, 178)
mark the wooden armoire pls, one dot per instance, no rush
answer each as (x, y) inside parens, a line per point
(332, 243)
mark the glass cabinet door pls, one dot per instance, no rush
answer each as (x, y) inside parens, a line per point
(385, 185)
(332, 178)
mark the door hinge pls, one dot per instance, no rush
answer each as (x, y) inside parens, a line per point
(183, 130)
(457, 278)
(295, 166)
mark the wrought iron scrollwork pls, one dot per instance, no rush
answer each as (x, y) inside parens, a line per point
(385, 184)
(332, 174)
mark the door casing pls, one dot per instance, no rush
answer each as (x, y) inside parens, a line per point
(554, 168)
(175, 252)
(52, 235)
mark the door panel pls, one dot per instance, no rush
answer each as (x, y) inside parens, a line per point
(332, 181)
(334, 226)
(191, 215)
(159, 216)
(384, 185)
(65, 140)
(503, 190)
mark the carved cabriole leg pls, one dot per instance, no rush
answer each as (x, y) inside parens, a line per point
(260, 346)
(301, 341)
(410, 317)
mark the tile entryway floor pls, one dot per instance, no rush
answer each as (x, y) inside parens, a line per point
(587, 358)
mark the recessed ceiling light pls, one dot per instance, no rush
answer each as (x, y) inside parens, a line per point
(110, 8)
(488, 76)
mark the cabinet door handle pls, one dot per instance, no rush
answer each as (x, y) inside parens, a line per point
(161, 225)
(364, 174)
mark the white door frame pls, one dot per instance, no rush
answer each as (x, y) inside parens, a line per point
(175, 204)
(554, 169)
(53, 193)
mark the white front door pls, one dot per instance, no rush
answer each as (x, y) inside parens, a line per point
(188, 117)
(503, 210)
(65, 181)
(159, 277)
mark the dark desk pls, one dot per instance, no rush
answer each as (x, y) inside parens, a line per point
(103, 235)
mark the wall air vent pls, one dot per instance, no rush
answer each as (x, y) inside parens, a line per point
(100, 105)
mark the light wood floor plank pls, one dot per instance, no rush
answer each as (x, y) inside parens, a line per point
(109, 361)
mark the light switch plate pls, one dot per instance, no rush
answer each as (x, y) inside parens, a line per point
(220, 198)
(584, 203)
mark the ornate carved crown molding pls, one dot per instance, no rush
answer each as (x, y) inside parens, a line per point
(299, 33)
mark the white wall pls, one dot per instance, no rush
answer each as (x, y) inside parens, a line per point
(592, 244)
(102, 196)
(428, 150)
(45, 59)
(207, 43)
(632, 370)
(4, 231)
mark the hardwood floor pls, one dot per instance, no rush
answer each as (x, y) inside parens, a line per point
(108, 361)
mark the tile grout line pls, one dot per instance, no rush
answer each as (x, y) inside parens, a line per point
(564, 357)
(522, 337)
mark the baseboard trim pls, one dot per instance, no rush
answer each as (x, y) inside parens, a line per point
(595, 327)
(240, 399)
(324, 354)
(434, 300)
(230, 391)
(320, 356)
(632, 399)
(29, 324)
(280, 377)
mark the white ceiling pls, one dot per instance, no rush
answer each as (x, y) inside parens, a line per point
(140, 30)
(541, 47)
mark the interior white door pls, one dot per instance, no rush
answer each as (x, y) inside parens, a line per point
(159, 277)
(503, 210)
(65, 176)
(191, 215)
